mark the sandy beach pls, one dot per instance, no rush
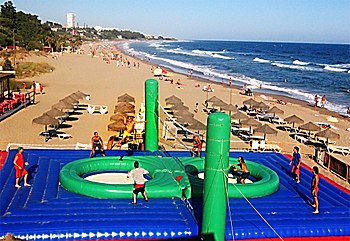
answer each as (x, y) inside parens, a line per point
(105, 82)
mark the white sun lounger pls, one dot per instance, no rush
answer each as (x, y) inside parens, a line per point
(102, 109)
(344, 150)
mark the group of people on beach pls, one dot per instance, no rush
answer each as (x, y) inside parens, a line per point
(323, 101)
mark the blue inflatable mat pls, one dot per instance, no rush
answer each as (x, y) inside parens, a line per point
(46, 211)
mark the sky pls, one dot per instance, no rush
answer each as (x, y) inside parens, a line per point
(320, 21)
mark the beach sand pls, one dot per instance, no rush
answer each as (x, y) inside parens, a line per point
(105, 82)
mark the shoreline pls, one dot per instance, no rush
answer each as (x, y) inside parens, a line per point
(341, 113)
(276, 96)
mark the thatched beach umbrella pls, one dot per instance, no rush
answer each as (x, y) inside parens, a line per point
(214, 99)
(250, 122)
(179, 113)
(75, 96)
(173, 98)
(197, 126)
(261, 105)
(173, 102)
(118, 117)
(275, 110)
(81, 94)
(310, 127)
(116, 126)
(265, 129)
(229, 107)
(126, 98)
(61, 105)
(124, 110)
(250, 102)
(55, 113)
(328, 134)
(46, 120)
(127, 105)
(179, 107)
(220, 104)
(186, 119)
(70, 100)
(294, 119)
(239, 116)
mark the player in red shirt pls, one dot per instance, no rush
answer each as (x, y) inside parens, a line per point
(19, 167)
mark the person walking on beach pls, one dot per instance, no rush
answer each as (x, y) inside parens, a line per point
(197, 107)
(197, 144)
(19, 167)
(97, 145)
(295, 162)
(323, 101)
(137, 174)
(41, 88)
(34, 87)
(316, 100)
(314, 188)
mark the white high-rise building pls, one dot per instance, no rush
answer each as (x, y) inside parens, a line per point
(71, 20)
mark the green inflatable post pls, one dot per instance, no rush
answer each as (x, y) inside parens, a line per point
(151, 132)
(215, 182)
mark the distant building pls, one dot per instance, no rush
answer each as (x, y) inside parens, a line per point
(71, 20)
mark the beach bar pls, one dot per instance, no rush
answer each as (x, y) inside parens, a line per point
(10, 101)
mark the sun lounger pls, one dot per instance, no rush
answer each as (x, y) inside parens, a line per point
(54, 133)
(301, 139)
(272, 147)
(265, 117)
(64, 136)
(278, 121)
(344, 150)
(169, 130)
(102, 109)
(255, 145)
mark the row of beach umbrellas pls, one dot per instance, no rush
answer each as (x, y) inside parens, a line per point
(246, 121)
(49, 118)
(183, 115)
(125, 106)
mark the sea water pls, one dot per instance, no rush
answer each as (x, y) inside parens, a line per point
(298, 70)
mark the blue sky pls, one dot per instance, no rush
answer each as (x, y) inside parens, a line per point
(324, 21)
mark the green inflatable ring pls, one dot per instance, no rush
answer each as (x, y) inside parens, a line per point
(268, 180)
(168, 177)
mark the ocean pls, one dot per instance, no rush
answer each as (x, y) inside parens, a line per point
(298, 70)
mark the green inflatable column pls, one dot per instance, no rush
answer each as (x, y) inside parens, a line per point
(215, 182)
(151, 99)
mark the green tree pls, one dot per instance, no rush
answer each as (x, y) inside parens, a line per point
(9, 11)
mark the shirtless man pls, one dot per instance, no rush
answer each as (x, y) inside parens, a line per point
(197, 144)
(243, 168)
(96, 145)
(314, 188)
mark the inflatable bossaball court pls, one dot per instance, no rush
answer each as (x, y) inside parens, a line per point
(188, 197)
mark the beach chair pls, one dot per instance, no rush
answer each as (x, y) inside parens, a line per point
(64, 136)
(169, 130)
(102, 109)
(344, 150)
(81, 146)
(254, 145)
(273, 147)
(301, 139)
(91, 109)
(262, 145)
